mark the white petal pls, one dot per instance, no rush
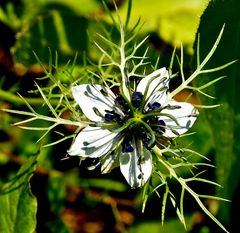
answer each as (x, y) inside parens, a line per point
(185, 115)
(93, 142)
(90, 99)
(109, 162)
(136, 174)
(158, 82)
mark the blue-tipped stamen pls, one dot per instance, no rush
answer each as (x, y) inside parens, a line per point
(128, 149)
(155, 105)
(111, 116)
(119, 99)
(136, 99)
(161, 126)
(122, 104)
(127, 146)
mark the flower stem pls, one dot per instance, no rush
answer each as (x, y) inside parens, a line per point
(18, 101)
(183, 183)
(199, 68)
(122, 65)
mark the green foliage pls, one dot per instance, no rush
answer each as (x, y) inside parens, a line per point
(18, 205)
(116, 56)
(154, 227)
(224, 121)
(169, 18)
(65, 26)
(43, 24)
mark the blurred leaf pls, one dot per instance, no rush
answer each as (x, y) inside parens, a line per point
(170, 225)
(56, 191)
(59, 29)
(224, 120)
(58, 24)
(17, 203)
(106, 184)
(175, 21)
(79, 7)
(57, 226)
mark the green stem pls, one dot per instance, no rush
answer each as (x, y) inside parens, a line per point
(199, 68)
(122, 65)
(184, 185)
(18, 101)
(150, 131)
(160, 114)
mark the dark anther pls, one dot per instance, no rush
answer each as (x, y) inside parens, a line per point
(120, 100)
(161, 126)
(155, 105)
(111, 116)
(126, 145)
(128, 148)
(137, 98)
(122, 103)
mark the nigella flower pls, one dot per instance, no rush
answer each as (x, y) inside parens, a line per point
(127, 126)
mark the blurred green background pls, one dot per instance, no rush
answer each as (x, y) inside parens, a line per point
(40, 192)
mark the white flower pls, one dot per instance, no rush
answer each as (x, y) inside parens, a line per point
(124, 131)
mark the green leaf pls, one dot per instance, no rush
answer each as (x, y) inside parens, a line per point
(224, 120)
(175, 21)
(17, 203)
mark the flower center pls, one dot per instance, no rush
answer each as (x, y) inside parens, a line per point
(137, 122)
